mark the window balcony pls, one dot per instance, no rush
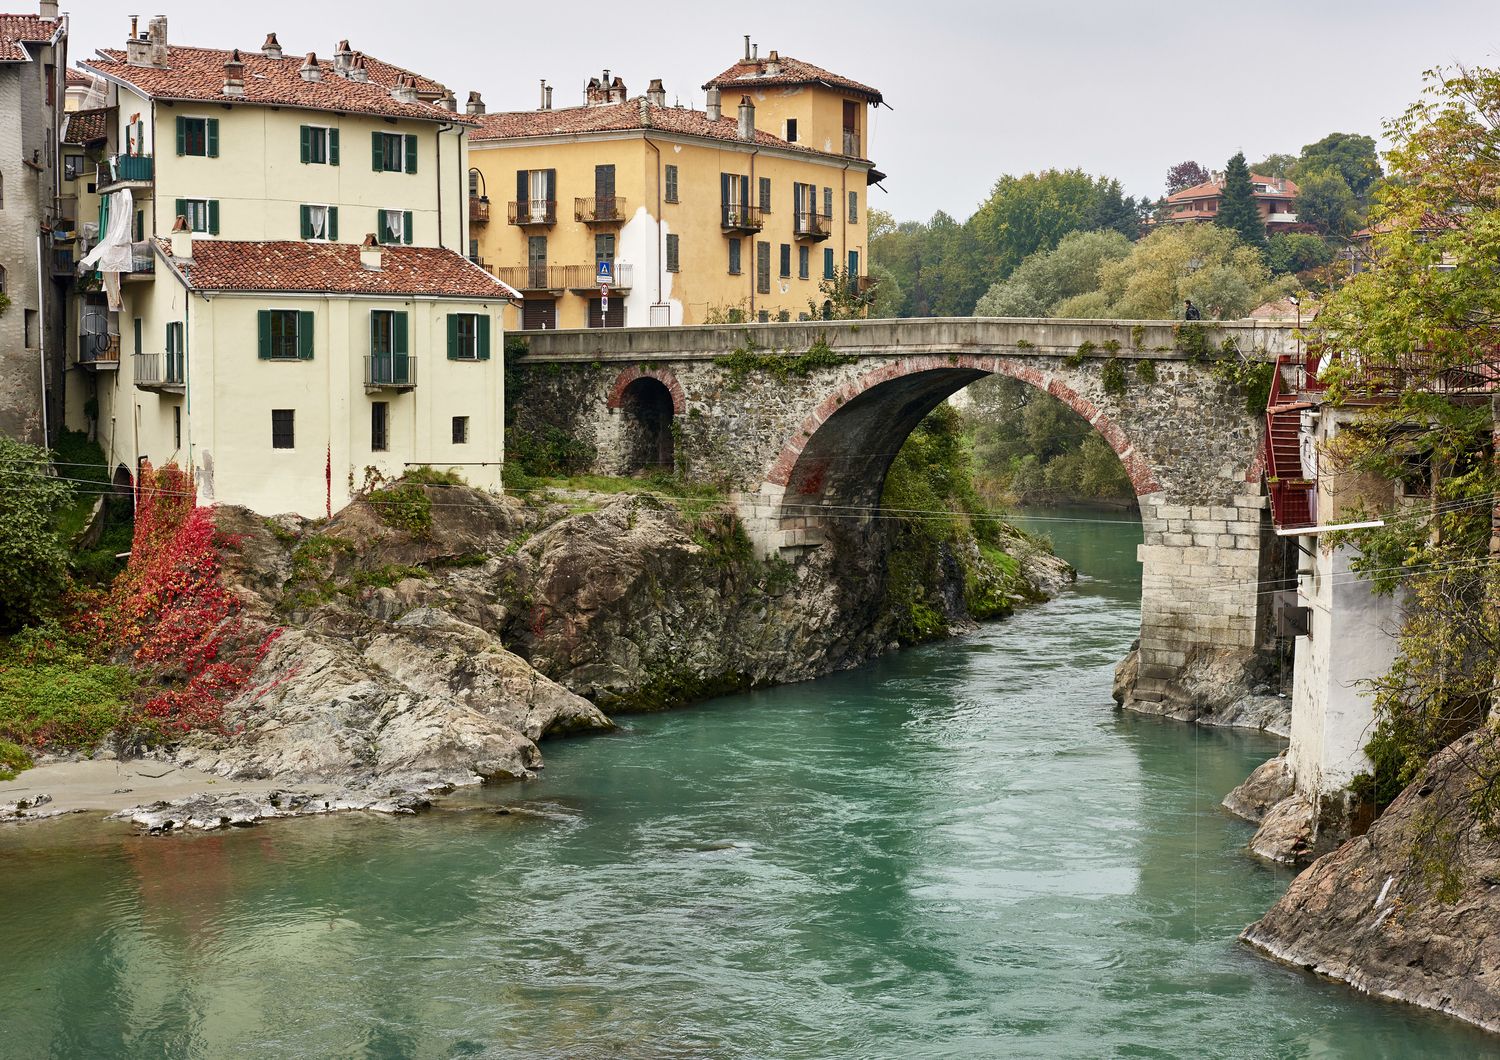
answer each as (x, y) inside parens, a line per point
(479, 209)
(390, 372)
(534, 279)
(142, 261)
(812, 225)
(608, 210)
(736, 219)
(584, 279)
(166, 372)
(99, 352)
(533, 213)
(851, 143)
(136, 172)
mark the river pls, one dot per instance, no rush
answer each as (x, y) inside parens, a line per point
(959, 850)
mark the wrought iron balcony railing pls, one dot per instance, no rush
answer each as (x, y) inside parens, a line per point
(160, 371)
(390, 371)
(533, 212)
(604, 210)
(735, 218)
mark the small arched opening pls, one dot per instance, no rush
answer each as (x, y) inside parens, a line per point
(122, 482)
(648, 408)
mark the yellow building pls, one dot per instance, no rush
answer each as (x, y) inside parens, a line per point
(281, 301)
(738, 211)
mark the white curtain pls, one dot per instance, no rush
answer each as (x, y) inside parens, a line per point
(395, 229)
(113, 252)
(317, 220)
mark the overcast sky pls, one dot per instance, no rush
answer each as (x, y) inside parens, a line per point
(1122, 87)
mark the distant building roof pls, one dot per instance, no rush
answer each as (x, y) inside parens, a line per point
(333, 268)
(1286, 309)
(86, 127)
(18, 30)
(198, 74)
(750, 74)
(617, 117)
(1277, 187)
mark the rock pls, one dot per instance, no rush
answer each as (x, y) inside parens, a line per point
(1268, 785)
(1215, 688)
(1286, 831)
(22, 810)
(1366, 915)
(231, 810)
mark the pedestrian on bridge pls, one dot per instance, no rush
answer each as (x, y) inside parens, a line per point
(1191, 312)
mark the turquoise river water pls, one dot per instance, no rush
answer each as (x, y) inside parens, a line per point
(960, 850)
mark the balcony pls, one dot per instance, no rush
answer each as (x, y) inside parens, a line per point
(99, 352)
(479, 209)
(1281, 218)
(136, 172)
(533, 213)
(534, 279)
(608, 210)
(740, 220)
(812, 225)
(142, 261)
(166, 372)
(390, 372)
(584, 279)
(851, 143)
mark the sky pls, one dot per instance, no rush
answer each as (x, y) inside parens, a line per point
(976, 90)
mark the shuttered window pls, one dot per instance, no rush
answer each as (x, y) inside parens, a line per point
(672, 253)
(786, 261)
(394, 226)
(765, 194)
(734, 257)
(198, 136)
(803, 265)
(319, 145)
(671, 182)
(202, 214)
(828, 202)
(320, 222)
(854, 207)
(393, 152)
(827, 263)
(468, 337)
(763, 267)
(285, 334)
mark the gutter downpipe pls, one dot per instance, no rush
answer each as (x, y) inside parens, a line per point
(661, 250)
(41, 337)
(754, 270)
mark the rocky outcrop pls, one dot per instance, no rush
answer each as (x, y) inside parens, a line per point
(1367, 914)
(1219, 688)
(206, 813)
(1268, 785)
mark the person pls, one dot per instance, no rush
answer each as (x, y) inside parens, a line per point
(1191, 312)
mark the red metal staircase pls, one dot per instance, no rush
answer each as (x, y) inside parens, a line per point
(1292, 495)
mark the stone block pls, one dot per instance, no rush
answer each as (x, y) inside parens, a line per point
(1177, 540)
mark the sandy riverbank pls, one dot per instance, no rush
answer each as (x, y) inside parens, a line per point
(110, 786)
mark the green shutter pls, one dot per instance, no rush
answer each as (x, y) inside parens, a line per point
(306, 146)
(377, 151)
(212, 135)
(304, 334)
(181, 212)
(305, 213)
(213, 217)
(333, 147)
(400, 361)
(411, 152)
(140, 225)
(263, 326)
(333, 224)
(452, 336)
(484, 336)
(181, 135)
(406, 227)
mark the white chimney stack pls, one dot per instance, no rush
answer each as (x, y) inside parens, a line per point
(358, 71)
(656, 93)
(714, 112)
(182, 240)
(271, 49)
(310, 70)
(747, 119)
(369, 253)
(475, 106)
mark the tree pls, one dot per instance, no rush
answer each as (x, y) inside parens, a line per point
(1292, 252)
(1238, 210)
(33, 563)
(1325, 201)
(842, 298)
(1349, 155)
(1029, 213)
(1206, 263)
(1275, 165)
(1114, 211)
(1185, 175)
(1048, 277)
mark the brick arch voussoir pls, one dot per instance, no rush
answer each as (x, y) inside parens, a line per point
(1142, 477)
(664, 376)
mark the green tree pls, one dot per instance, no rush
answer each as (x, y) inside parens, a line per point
(1238, 211)
(1275, 165)
(33, 563)
(1292, 252)
(1325, 201)
(1349, 155)
(1049, 277)
(1206, 263)
(1033, 212)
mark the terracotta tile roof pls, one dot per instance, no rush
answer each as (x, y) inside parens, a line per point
(384, 73)
(87, 126)
(1213, 189)
(76, 79)
(198, 74)
(333, 268)
(1286, 309)
(616, 117)
(16, 30)
(748, 74)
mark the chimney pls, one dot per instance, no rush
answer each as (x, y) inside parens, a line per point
(156, 34)
(773, 63)
(754, 51)
(369, 253)
(234, 74)
(747, 119)
(271, 49)
(617, 93)
(448, 101)
(656, 93)
(714, 114)
(358, 71)
(747, 47)
(310, 69)
(475, 106)
(405, 89)
(182, 240)
(137, 51)
(343, 58)
(547, 99)
(47, 8)
(645, 113)
(597, 91)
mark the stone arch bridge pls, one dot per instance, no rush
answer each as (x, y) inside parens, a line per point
(804, 420)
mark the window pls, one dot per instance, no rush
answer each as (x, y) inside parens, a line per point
(763, 267)
(382, 332)
(137, 330)
(140, 225)
(671, 191)
(786, 260)
(854, 207)
(393, 152)
(320, 222)
(176, 353)
(673, 259)
(827, 263)
(72, 166)
(765, 194)
(380, 422)
(791, 130)
(285, 334)
(202, 214)
(853, 268)
(734, 257)
(390, 363)
(828, 203)
(198, 136)
(460, 430)
(734, 196)
(803, 266)
(536, 196)
(320, 145)
(468, 337)
(283, 428)
(394, 226)
(764, 316)
(604, 248)
(176, 426)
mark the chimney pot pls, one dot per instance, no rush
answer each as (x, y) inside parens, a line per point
(182, 240)
(369, 253)
(310, 69)
(714, 112)
(358, 71)
(755, 51)
(343, 57)
(548, 104)
(475, 106)
(271, 49)
(747, 119)
(747, 47)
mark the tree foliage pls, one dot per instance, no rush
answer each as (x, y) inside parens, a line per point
(1275, 165)
(1048, 277)
(1349, 155)
(1296, 252)
(1185, 175)
(33, 563)
(1325, 202)
(1238, 210)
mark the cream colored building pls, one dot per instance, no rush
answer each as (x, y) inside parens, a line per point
(738, 211)
(262, 344)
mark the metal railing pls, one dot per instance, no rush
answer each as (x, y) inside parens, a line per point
(479, 209)
(99, 351)
(121, 169)
(734, 217)
(533, 277)
(391, 371)
(533, 212)
(851, 142)
(160, 370)
(810, 224)
(599, 211)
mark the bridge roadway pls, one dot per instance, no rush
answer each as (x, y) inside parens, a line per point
(802, 421)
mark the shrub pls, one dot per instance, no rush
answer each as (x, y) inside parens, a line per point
(33, 563)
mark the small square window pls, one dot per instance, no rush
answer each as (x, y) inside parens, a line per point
(283, 428)
(460, 430)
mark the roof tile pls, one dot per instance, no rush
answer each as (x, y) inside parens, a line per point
(16, 30)
(751, 73)
(87, 126)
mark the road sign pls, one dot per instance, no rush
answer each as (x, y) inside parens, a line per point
(606, 273)
(603, 298)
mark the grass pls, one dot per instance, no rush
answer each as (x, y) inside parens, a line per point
(691, 498)
(13, 759)
(52, 694)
